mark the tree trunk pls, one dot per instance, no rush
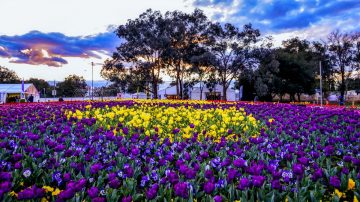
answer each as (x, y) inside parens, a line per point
(292, 97)
(155, 90)
(299, 95)
(342, 86)
(224, 92)
(154, 85)
(181, 88)
(177, 81)
(201, 91)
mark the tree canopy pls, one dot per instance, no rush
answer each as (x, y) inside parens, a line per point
(8, 76)
(72, 86)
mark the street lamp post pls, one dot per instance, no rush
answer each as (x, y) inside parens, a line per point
(92, 78)
(321, 93)
(92, 81)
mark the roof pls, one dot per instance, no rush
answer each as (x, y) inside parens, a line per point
(13, 88)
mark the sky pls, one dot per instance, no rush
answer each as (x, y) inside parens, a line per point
(51, 39)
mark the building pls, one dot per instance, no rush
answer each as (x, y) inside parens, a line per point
(168, 92)
(13, 92)
(200, 89)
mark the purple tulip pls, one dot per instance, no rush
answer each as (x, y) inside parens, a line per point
(67, 194)
(67, 177)
(298, 169)
(31, 193)
(317, 174)
(275, 184)
(335, 181)
(329, 150)
(218, 198)
(181, 190)
(17, 165)
(93, 192)
(152, 192)
(5, 186)
(209, 174)
(258, 181)
(173, 177)
(98, 199)
(209, 187)
(95, 168)
(5, 176)
(240, 163)
(80, 184)
(232, 173)
(115, 183)
(126, 199)
(244, 184)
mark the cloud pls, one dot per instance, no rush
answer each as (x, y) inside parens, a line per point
(282, 15)
(51, 49)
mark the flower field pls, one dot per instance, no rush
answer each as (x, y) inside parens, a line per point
(178, 151)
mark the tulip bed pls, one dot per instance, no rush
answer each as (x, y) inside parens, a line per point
(178, 151)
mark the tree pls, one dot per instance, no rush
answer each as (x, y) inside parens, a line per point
(142, 50)
(296, 68)
(342, 50)
(321, 54)
(211, 82)
(40, 85)
(266, 80)
(8, 76)
(187, 33)
(201, 70)
(231, 50)
(356, 57)
(118, 76)
(266, 77)
(72, 86)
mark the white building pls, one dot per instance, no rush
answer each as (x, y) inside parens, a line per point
(217, 92)
(9, 92)
(195, 92)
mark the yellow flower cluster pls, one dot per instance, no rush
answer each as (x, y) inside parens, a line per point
(351, 186)
(54, 191)
(186, 120)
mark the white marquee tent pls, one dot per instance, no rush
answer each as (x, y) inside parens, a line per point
(15, 90)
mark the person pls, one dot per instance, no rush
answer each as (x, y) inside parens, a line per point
(31, 98)
(341, 100)
(61, 99)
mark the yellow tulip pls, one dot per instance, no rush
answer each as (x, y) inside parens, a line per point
(351, 184)
(338, 193)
